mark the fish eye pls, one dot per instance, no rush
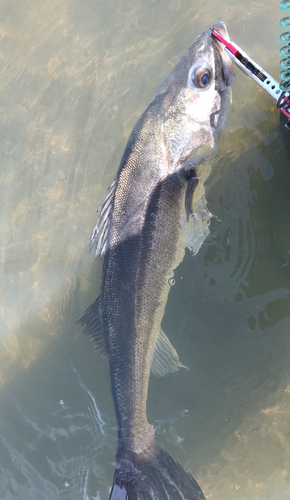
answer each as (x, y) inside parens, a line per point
(201, 78)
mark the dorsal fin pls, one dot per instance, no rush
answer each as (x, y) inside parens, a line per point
(91, 323)
(100, 233)
(165, 358)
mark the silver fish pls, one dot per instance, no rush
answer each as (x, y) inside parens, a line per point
(140, 233)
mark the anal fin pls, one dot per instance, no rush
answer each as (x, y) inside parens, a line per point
(165, 358)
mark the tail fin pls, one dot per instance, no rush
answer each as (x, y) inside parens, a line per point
(154, 475)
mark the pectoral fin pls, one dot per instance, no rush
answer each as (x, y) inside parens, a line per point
(191, 185)
(165, 358)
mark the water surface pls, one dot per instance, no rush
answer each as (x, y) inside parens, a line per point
(74, 78)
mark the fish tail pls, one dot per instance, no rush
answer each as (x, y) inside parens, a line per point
(152, 474)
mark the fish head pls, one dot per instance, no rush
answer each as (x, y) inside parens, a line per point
(195, 98)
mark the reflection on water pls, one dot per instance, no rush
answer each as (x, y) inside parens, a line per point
(74, 78)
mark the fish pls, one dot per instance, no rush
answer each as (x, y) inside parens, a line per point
(143, 226)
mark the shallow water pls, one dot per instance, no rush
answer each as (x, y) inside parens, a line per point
(74, 78)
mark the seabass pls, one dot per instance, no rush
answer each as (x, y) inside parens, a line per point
(140, 232)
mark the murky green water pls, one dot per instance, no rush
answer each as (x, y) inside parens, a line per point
(74, 77)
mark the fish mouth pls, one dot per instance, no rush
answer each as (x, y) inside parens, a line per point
(222, 58)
